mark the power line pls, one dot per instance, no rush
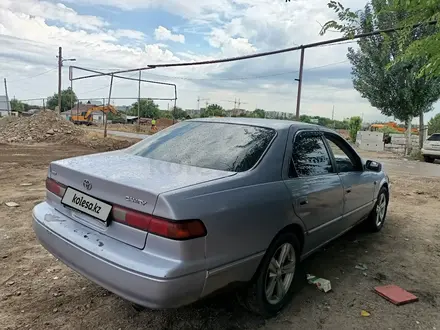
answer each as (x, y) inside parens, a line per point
(285, 50)
(251, 77)
(30, 77)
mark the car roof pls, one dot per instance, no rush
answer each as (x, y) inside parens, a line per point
(276, 124)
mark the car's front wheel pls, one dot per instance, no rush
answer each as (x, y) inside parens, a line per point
(377, 216)
(276, 279)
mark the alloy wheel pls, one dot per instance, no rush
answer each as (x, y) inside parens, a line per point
(380, 210)
(280, 273)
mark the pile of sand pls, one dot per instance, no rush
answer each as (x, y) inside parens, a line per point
(48, 127)
(45, 126)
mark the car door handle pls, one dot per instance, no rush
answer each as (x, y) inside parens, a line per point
(303, 201)
(348, 190)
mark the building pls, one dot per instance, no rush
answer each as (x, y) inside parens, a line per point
(5, 105)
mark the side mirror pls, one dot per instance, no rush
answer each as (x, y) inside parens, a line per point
(374, 166)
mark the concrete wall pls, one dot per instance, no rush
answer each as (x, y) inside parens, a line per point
(370, 141)
(398, 142)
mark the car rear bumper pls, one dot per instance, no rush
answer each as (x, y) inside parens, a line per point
(429, 152)
(93, 256)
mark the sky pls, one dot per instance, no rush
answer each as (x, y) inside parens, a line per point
(127, 34)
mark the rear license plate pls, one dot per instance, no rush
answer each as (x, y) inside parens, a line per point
(86, 204)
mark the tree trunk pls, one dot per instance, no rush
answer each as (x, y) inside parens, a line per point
(421, 130)
(408, 137)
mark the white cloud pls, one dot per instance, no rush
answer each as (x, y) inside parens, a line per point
(131, 34)
(57, 12)
(30, 41)
(162, 34)
(229, 45)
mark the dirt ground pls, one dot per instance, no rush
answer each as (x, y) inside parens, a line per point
(39, 292)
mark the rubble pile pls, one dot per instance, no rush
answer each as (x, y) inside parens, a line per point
(45, 126)
(49, 127)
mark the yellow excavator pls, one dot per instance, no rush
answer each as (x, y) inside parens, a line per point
(86, 118)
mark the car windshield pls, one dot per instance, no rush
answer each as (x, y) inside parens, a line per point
(219, 146)
(434, 137)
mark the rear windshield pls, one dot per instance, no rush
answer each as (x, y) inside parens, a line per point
(218, 146)
(434, 137)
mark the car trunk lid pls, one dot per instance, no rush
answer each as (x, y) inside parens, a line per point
(117, 178)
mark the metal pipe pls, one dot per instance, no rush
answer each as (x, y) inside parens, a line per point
(100, 74)
(300, 79)
(109, 99)
(139, 101)
(290, 49)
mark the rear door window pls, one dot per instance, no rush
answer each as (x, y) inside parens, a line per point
(434, 138)
(309, 156)
(219, 146)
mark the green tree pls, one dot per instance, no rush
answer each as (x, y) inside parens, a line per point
(166, 114)
(434, 124)
(259, 113)
(213, 110)
(178, 113)
(68, 99)
(148, 109)
(394, 88)
(17, 105)
(415, 45)
(305, 119)
(355, 125)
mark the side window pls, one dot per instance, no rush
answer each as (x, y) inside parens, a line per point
(310, 156)
(345, 160)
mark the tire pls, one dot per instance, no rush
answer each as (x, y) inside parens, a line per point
(269, 276)
(428, 159)
(377, 217)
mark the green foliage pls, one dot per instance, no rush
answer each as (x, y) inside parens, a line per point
(166, 114)
(178, 113)
(213, 110)
(19, 106)
(148, 109)
(116, 118)
(417, 44)
(389, 130)
(323, 121)
(434, 124)
(392, 88)
(68, 99)
(355, 125)
(259, 113)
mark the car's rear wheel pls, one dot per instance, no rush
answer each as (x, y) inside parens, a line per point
(274, 283)
(428, 159)
(378, 215)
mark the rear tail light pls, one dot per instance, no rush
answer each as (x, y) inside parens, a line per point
(177, 230)
(55, 187)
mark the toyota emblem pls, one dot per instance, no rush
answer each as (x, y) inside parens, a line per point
(87, 184)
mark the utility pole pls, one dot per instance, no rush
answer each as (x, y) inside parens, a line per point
(139, 101)
(333, 116)
(300, 78)
(7, 99)
(109, 100)
(60, 64)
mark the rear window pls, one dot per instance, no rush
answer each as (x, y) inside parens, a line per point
(219, 146)
(434, 137)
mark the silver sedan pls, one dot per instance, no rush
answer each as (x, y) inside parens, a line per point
(207, 203)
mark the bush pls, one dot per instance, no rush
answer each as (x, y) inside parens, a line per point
(354, 126)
